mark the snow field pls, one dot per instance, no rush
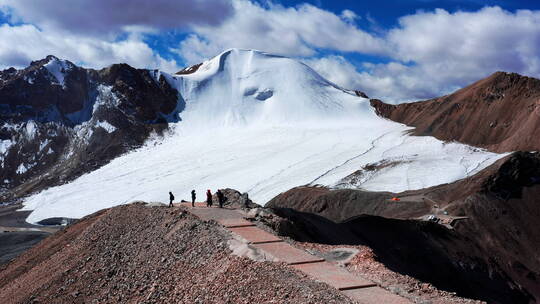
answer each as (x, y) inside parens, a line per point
(263, 124)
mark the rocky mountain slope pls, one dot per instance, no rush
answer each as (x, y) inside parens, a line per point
(480, 229)
(59, 120)
(500, 113)
(150, 254)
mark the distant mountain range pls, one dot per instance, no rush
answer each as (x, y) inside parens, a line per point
(245, 119)
(60, 121)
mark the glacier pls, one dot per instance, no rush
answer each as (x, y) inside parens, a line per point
(262, 124)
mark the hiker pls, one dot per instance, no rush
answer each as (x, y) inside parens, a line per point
(220, 197)
(245, 199)
(208, 198)
(171, 197)
(193, 195)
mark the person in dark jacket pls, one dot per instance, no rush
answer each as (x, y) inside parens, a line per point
(193, 196)
(245, 200)
(208, 198)
(220, 197)
(171, 198)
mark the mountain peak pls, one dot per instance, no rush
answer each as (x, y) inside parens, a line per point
(493, 113)
(509, 78)
(251, 86)
(500, 85)
(44, 61)
(223, 55)
(51, 57)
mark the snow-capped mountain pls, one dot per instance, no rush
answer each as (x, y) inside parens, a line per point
(59, 120)
(258, 123)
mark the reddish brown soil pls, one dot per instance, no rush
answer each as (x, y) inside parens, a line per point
(491, 254)
(500, 113)
(365, 264)
(141, 254)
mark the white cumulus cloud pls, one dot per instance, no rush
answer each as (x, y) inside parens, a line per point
(292, 31)
(102, 17)
(434, 53)
(23, 43)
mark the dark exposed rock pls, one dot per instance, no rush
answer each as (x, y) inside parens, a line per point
(520, 170)
(342, 204)
(360, 94)
(57, 129)
(189, 70)
(55, 221)
(235, 199)
(13, 244)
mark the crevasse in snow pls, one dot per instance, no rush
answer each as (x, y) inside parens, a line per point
(263, 124)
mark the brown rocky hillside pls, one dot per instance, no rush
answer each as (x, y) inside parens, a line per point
(142, 254)
(500, 113)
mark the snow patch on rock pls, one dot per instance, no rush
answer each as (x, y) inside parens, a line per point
(29, 78)
(31, 129)
(58, 69)
(4, 148)
(21, 169)
(5, 145)
(44, 144)
(106, 126)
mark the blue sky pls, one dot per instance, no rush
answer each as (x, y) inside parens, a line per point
(394, 50)
(373, 15)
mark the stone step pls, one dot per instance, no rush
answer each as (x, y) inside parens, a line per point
(286, 253)
(374, 295)
(235, 223)
(217, 214)
(357, 288)
(333, 275)
(255, 235)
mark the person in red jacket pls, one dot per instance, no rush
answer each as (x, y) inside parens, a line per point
(208, 198)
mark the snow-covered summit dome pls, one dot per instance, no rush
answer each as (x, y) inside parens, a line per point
(249, 86)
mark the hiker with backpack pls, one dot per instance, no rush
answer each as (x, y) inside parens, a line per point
(171, 198)
(193, 195)
(208, 198)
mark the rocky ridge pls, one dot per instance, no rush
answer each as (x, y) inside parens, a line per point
(60, 120)
(149, 253)
(500, 113)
